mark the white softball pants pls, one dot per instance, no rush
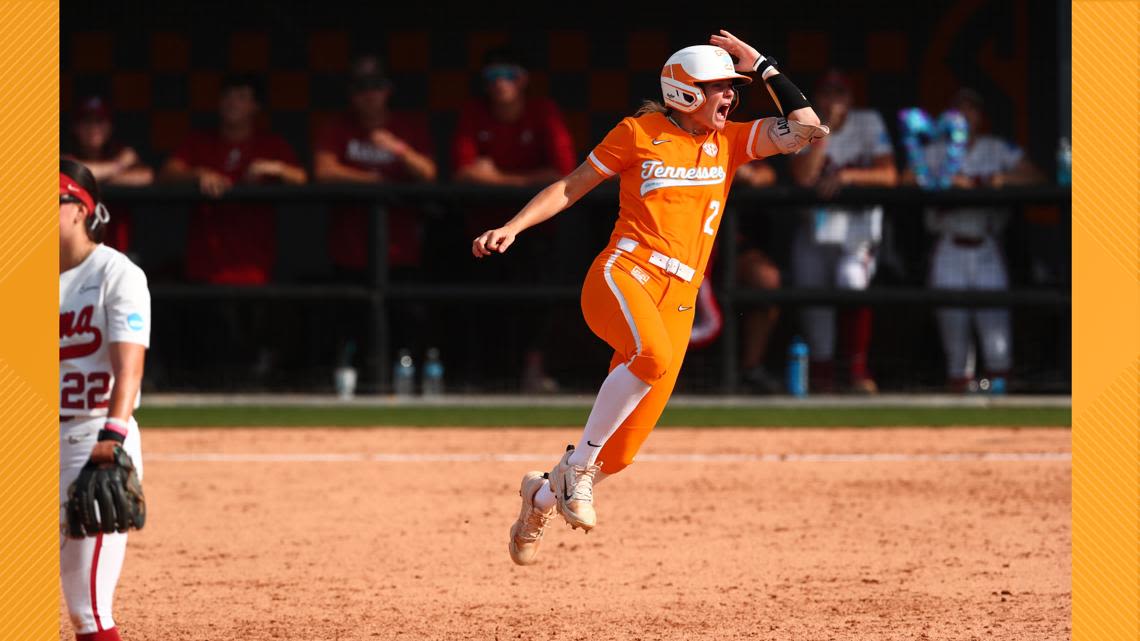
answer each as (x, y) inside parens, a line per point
(89, 568)
(828, 266)
(979, 267)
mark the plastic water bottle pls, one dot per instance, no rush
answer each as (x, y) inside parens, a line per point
(797, 382)
(344, 376)
(433, 373)
(995, 385)
(404, 374)
(1064, 162)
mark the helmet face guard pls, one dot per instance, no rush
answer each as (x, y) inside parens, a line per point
(681, 96)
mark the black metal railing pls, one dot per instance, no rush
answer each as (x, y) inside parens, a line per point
(379, 291)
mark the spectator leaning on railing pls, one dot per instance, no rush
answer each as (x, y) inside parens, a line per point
(111, 162)
(372, 144)
(233, 243)
(967, 254)
(514, 140)
(836, 245)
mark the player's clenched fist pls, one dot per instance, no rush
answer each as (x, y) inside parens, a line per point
(489, 242)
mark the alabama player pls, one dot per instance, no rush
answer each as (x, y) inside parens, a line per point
(104, 331)
(675, 163)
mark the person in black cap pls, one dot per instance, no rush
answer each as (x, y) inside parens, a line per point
(93, 145)
(111, 163)
(372, 144)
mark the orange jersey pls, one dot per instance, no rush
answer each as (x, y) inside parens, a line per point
(674, 185)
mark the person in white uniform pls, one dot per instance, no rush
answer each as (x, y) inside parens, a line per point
(104, 332)
(967, 254)
(835, 245)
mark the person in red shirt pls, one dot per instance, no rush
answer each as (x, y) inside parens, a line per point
(233, 243)
(109, 160)
(510, 139)
(373, 144)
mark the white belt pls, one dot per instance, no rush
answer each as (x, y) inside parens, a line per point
(668, 265)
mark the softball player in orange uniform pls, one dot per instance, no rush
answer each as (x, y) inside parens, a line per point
(675, 162)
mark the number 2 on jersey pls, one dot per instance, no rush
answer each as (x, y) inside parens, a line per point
(715, 207)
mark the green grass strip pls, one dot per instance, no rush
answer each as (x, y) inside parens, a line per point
(265, 416)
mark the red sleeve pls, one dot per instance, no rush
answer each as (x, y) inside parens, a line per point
(189, 152)
(616, 150)
(416, 132)
(559, 144)
(329, 138)
(464, 149)
(282, 150)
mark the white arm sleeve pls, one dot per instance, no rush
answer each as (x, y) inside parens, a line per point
(783, 136)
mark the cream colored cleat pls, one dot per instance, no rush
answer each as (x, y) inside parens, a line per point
(573, 486)
(526, 533)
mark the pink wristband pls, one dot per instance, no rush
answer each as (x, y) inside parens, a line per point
(117, 425)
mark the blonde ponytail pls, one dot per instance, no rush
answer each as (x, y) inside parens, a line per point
(650, 107)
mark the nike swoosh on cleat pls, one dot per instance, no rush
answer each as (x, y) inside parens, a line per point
(683, 308)
(592, 444)
(565, 487)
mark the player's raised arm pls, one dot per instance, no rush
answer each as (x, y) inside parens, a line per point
(800, 125)
(545, 205)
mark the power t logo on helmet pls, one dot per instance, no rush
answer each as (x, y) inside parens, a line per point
(689, 66)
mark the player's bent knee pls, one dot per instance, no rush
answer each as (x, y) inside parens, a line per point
(651, 365)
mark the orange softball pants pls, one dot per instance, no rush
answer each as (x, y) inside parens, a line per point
(646, 316)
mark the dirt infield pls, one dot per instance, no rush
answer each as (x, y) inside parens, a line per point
(362, 534)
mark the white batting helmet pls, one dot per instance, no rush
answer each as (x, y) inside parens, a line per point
(684, 69)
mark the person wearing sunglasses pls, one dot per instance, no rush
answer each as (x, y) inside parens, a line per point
(511, 139)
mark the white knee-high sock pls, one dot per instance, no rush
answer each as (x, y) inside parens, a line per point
(618, 397)
(544, 499)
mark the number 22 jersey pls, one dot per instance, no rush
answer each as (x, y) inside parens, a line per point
(102, 300)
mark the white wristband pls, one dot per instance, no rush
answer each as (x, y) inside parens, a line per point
(769, 67)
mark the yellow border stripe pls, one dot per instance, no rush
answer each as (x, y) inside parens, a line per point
(29, 376)
(1106, 321)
